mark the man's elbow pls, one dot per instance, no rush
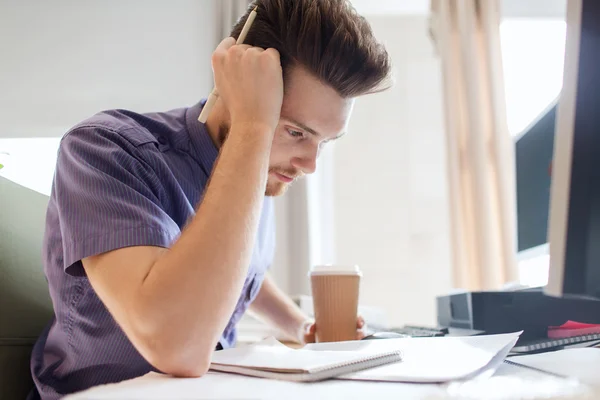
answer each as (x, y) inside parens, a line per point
(177, 355)
(171, 349)
(180, 365)
(180, 370)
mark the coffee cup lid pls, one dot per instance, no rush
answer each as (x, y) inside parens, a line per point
(335, 270)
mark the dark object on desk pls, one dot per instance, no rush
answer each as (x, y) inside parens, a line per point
(385, 335)
(530, 311)
(544, 345)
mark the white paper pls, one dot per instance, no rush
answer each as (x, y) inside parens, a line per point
(430, 360)
(582, 364)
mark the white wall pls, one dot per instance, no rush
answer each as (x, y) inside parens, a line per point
(281, 269)
(391, 214)
(63, 60)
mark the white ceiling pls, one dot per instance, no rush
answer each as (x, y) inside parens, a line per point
(509, 8)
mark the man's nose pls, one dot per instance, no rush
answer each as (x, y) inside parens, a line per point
(307, 163)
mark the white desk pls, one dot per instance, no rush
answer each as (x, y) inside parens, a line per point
(509, 382)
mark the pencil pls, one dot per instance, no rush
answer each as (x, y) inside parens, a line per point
(212, 98)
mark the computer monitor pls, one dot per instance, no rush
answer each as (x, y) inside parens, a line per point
(533, 157)
(574, 218)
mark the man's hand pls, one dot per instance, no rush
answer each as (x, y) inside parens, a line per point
(311, 330)
(250, 82)
(273, 306)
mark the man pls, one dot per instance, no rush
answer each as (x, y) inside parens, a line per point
(160, 228)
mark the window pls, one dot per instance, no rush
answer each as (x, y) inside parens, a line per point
(29, 162)
(533, 60)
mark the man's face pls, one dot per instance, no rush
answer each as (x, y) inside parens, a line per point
(312, 114)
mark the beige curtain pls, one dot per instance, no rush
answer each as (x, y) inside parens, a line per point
(229, 11)
(480, 150)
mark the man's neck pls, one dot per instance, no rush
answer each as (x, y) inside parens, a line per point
(215, 122)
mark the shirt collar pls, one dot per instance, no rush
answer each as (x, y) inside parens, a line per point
(202, 145)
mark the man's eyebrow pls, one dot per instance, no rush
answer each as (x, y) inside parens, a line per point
(308, 129)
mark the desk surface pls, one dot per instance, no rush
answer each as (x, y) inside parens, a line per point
(509, 382)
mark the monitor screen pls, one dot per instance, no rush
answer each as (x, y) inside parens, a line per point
(533, 157)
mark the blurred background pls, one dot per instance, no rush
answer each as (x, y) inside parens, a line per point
(381, 198)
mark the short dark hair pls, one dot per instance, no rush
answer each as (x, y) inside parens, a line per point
(327, 37)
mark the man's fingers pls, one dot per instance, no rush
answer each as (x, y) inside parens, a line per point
(273, 53)
(309, 335)
(221, 51)
(243, 47)
(225, 44)
(255, 50)
(228, 44)
(361, 328)
(360, 322)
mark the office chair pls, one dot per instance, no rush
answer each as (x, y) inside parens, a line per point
(25, 306)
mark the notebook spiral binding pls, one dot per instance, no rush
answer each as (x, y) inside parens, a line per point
(516, 364)
(553, 343)
(359, 365)
(319, 374)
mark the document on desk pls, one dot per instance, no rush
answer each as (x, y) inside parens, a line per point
(430, 360)
(582, 364)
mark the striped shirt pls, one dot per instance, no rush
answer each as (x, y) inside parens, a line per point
(122, 179)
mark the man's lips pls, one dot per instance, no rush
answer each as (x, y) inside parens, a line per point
(283, 178)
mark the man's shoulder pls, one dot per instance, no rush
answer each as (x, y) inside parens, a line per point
(135, 127)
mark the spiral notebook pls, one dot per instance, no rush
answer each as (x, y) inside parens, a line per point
(273, 360)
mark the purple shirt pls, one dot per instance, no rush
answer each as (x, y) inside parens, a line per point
(122, 179)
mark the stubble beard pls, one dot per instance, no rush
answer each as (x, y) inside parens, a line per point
(274, 186)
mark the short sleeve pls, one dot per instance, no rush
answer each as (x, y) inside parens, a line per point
(106, 196)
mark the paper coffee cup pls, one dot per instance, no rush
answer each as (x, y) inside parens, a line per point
(335, 292)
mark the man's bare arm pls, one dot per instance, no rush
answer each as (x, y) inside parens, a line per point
(275, 307)
(174, 304)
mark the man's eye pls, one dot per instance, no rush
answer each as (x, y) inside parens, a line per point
(294, 133)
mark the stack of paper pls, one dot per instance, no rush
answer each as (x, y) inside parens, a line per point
(431, 360)
(424, 360)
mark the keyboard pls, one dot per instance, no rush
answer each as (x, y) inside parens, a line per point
(420, 331)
